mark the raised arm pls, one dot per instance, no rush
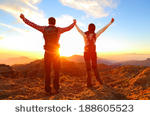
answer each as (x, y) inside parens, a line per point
(104, 28)
(62, 30)
(80, 31)
(33, 25)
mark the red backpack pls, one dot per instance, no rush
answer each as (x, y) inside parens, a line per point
(51, 38)
(91, 39)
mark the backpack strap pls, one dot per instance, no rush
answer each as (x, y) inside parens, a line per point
(91, 38)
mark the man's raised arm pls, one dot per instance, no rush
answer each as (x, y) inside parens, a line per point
(103, 29)
(62, 30)
(33, 25)
(80, 31)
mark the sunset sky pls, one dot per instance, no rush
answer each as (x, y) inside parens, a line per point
(130, 32)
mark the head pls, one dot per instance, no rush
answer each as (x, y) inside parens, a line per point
(52, 20)
(91, 27)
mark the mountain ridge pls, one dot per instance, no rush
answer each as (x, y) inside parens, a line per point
(79, 58)
(136, 62)
(16, 60)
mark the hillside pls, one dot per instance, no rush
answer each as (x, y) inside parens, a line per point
(121, 82)
(16, 60)
(137, 62)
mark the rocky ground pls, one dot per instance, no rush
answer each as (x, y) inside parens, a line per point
(72, 88)
(121, 83)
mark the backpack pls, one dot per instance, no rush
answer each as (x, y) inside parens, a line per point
(91, 39)
(51, 38)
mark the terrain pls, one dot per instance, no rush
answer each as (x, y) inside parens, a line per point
(121, 82)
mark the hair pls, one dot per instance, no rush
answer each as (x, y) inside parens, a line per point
(52, 20)
(91, 28)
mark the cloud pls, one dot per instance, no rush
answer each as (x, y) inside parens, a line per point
(95, 8)
(27, 7)
(26, 40)
(13, 28)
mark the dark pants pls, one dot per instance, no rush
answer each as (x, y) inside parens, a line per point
(51, 60)
(91, 57)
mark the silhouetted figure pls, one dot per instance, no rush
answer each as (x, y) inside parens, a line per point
(51, 35)
(90, 54)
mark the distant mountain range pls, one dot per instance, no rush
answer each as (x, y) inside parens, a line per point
(77, 59)
(136, 62)
(80, 59)
(16, 60)
(74, 58)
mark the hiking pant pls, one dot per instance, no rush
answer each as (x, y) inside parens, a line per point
(52, 60)
(91, 57)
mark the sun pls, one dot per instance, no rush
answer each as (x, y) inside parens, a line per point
(67, 53)
(71, 45)
(68, 50)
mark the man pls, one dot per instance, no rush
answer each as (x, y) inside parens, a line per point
(90, 54)
(51, 35)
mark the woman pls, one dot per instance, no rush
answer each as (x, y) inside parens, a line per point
(90, 54)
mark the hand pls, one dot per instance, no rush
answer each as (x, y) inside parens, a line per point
(112, 20)
(74, 21)
(22, 16)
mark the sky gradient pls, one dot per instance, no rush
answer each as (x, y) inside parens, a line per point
(130, 32)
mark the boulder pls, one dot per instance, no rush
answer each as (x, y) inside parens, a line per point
(7, 71)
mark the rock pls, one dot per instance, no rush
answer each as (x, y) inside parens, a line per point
(143, 79)
(7, 71)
